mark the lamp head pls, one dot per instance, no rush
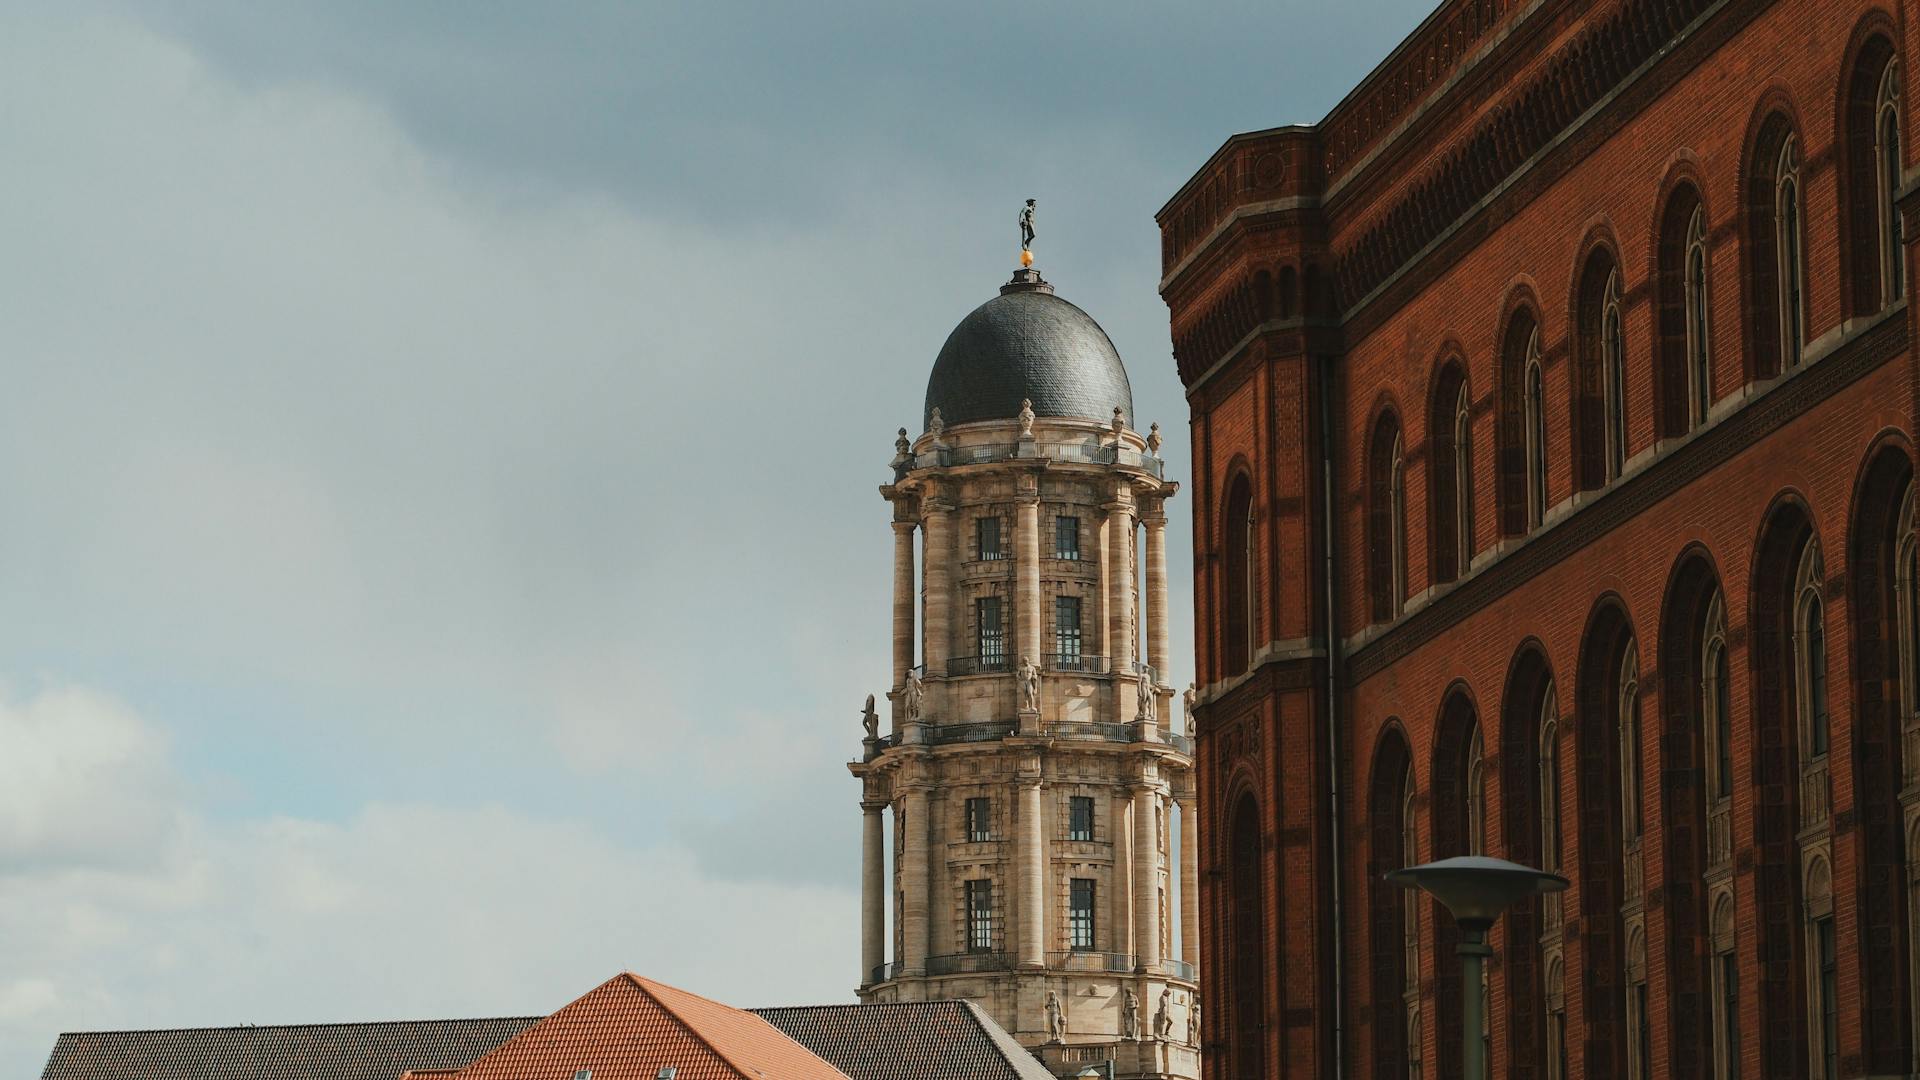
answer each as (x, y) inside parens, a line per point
(1476, 888)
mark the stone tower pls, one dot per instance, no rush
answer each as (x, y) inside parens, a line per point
(1033, 767)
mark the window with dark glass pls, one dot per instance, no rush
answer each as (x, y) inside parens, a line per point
(1730, 1012)
(1816, 632)
(1066, 631)
(1080, 913)
(980, 916)
(1829, 999)
(1066, 537)
(979, 820)
(992, 632)
(986, 538)
(1080, 817)
(1723, 719)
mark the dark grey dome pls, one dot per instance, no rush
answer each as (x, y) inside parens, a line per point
(1027, 343)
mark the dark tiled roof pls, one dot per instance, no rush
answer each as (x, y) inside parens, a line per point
(1027, 343)
(376, 1051)
(922, 1040)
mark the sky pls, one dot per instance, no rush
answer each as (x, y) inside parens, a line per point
(440, 556)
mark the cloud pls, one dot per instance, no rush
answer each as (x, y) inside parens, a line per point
(408, 909)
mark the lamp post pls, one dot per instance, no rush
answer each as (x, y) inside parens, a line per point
(1476, 889)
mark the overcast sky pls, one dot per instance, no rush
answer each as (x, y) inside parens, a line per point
(440, 562)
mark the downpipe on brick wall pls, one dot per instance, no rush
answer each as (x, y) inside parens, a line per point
(1333, 728)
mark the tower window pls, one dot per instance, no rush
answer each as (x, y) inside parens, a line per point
(1080, 913)
(980, 915)
(986, 538)
(991, 632)
(1066, 631)
(1080, 817)
(1066, 537)
(979, 820)
(1829, 1007)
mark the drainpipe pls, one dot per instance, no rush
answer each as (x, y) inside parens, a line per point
(1336, 840)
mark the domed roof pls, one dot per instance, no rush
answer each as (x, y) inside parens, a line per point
(1027, 343)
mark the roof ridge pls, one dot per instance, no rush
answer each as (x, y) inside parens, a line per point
(283, 1027)
(746, 1072)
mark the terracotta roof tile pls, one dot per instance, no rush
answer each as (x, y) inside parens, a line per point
(376, 1051)
(629, 1028)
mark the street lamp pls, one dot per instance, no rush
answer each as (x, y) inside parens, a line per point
(1476, 889)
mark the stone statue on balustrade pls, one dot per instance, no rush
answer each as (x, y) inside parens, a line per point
(911, 695)
(1147, 696)
(1026, 418)
(1188, 699)
(1130, 1017)
(870, 719)
(1029, 675)
(1163, 1016)
(1193, 1019)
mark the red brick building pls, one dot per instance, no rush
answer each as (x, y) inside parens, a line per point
(1553, 403)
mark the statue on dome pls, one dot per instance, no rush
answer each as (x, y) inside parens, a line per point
(910, 694)
(936, 426)
(1119, 420)
(1026, 226)
(1145, 688)
(870, 719)
(1153, 440)
(1189, 698)
(1026, 418)
(902, 445)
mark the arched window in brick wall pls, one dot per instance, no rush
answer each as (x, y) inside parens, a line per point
(1600, 425)
(1609, 882)
(1457, 822)
(1628, 714)
(1237, 593)
(1775, 786)
(1386, 518)
(1247, 1012)
(1695, 814)
(1876, 261)
(1776, 293)
(1529, 806)
(1683, 376)
(1450, 473)
(1521, 490)
(1393, 917)
(1886, 733)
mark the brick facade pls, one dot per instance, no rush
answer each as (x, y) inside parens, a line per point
(1562, 380)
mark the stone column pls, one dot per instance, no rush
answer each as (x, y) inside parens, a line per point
(873, 890)
(1031, 858)
(1146, 877)
(1120, 590)
(1190, 883)
(1026, 555)
(1158, 647)
(912, 820)
(935, 517)
(904, 601)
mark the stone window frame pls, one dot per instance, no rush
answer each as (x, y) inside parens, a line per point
(1789, 238)
(1463, 480)
(981, 928)
(968, 819)
(1533, 403)
(1083, 917)
(1613, 356)
(1410, 924)
(1822, 971)
(1887, 174)
(1724, 977)
(1697, 305)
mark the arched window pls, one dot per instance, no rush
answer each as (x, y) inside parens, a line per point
(1386, 519)
(1410, 922)
(1681, 762)
(1520, 430)
(1247, 1010)
(1886, 153)
(1775, 289)
(1716, 704)
(1600, 382)
(1609, 864)
(1726, 993)
(1463, 479)
(1786, 227)
(1614, 351)
(1557, 1021)
(1699, 367)
(1536, 435)
(1632, 799)
(1477, 845)
(1450, 500)
(1551, 844)
(1823, 974)
(1237, 592)
(1810, 655)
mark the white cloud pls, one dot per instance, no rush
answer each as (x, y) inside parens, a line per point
(409, 909)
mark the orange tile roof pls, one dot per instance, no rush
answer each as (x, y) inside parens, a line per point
(629, 1028)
